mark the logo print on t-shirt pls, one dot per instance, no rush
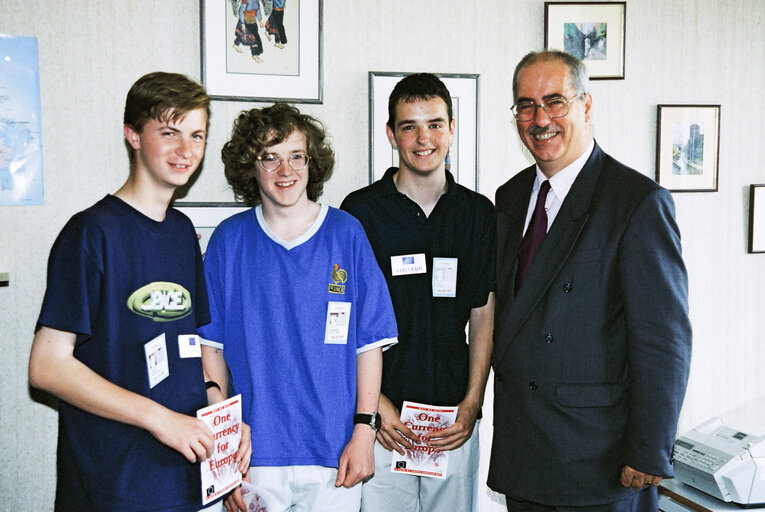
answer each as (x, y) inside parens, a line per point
(338, 276)
(161, 301)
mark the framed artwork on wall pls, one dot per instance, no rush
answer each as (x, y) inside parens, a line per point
(207, 216)
(591, 31)
(262, 50)
(756, 219)
(687, 147)
(462, 160)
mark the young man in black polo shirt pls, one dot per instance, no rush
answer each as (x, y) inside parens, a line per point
(434, 241)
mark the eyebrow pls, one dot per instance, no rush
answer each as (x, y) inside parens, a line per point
(412, 121)
(544, 98)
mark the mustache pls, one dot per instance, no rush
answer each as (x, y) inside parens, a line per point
(536, 130)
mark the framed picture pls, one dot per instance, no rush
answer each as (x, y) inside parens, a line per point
(253, 50)
(207, 216)
(462, 159)
(756, 218)
(591, 31)
(687, 147)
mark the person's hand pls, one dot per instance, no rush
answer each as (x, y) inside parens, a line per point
(456, 435)
(185, 434)
(234, 501)
(393, 433)
(244, 452)
(637, 479)
(357, 461)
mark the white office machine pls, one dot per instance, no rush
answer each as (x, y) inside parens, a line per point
(722, 462)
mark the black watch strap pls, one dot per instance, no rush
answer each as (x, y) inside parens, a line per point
(373, 420)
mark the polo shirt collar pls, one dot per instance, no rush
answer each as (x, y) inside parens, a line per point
(389, 186)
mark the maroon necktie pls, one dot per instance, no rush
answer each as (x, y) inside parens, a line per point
(535, 233)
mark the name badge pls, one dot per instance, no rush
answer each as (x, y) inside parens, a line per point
(408, 264)
(338, 319)
(156, 360)
(444, 277)
(188, 345)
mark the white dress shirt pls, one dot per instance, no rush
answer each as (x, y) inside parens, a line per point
(560, 184)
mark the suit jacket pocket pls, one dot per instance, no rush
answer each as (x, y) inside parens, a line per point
(589, 395)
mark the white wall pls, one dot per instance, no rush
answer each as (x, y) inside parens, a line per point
(694, 51)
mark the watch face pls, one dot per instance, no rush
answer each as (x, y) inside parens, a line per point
(377, 421)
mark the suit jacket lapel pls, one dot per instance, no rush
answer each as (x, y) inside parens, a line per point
(554, 251)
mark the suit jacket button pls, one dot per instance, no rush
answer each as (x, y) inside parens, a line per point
(548, 338)
(567, 287)
(500, 378)
(533, 386)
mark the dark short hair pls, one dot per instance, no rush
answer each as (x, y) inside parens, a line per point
(164, 97)
(257, 129)
(580, 79)
(418, 86)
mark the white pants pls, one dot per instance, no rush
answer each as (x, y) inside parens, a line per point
(386, 491)
(303, 489)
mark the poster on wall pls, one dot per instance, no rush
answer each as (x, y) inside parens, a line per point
(262, 50)
(21, 174)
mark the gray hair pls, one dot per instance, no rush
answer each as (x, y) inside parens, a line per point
(577, 69)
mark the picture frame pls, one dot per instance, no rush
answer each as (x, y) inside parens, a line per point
(206, 216)
(463, 154)
(290, 73)
(592, 31)
(757, 219)
(688, 147)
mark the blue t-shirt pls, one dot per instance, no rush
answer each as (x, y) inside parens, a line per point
(271, 304)
(119, 279)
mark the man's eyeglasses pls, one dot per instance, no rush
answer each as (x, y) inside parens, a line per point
(555, 107)
(270, 163)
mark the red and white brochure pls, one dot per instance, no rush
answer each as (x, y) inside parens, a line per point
(423, 460)
(220, 473)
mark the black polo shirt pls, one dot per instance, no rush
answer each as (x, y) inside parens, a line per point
(430, 362)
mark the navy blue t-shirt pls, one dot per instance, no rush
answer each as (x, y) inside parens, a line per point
(119, 279)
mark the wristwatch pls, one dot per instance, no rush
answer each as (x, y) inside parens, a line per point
(373, 420)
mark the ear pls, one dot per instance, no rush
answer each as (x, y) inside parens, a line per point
(452, 128)
(391, 137)
(588, 108)
(132, 137)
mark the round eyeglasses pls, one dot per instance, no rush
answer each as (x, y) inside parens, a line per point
(270, 163)
(555, 107)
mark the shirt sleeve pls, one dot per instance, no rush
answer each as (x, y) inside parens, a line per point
(212, 333)
(71, 297)
(487, 260)
(375, 319)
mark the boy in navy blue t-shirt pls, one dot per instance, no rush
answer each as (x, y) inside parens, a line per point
(115, 340)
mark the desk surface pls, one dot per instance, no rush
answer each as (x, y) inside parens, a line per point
(696, 500)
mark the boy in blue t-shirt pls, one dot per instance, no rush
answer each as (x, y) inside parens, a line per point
(115, 340)
(300, 313)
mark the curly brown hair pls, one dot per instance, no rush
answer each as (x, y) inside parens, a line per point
(258, 129)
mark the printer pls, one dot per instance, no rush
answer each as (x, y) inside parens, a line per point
(722, 462)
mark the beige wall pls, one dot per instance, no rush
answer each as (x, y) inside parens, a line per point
(694, 51)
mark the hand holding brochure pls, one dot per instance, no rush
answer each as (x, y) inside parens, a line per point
(424, 460)
(220, 473)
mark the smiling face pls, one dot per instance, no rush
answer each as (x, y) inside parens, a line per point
(422, 134)
(285, 187)
(168, 152)
(554, 143)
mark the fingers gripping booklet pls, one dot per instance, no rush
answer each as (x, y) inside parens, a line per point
(220, 473)
(423, 460)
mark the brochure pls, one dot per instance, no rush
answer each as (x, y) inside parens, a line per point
(423, 460)
(220, 473)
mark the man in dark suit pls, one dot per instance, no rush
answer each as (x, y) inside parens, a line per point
(592, 338)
